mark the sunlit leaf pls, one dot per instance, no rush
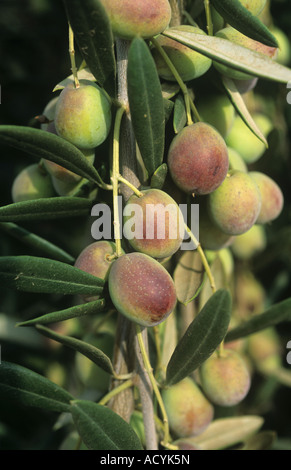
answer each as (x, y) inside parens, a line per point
(226, 432)
(188, 276)
(233, 55)
(241, 108)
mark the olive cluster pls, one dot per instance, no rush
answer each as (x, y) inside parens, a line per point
(208, 161)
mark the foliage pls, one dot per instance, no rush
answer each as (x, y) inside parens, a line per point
(64, 355)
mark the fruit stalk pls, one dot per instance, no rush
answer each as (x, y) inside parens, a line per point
(72, 57)
(188, 102)
(115, 174)
(208, 17)
(128, 383)
(203, 259)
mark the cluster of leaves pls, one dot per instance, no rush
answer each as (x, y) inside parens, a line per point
(156, 112)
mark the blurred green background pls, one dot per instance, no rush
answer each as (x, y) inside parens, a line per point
(34, 58)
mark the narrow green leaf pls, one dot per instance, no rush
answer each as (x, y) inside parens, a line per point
(91, 352)
(168, 108)
(226, 432)
(88, 308)
(159, 176)
(146, 104)
(42, 144)
(93, 34)
(274, 315)
(188, 276)
(102, 429)
(29, 388)
(169, 338)
(43, 275)
(201, 338)
(36, 242)
(180, 116)
(244, 21)
(240, 106)
(45, 209)
(233, 55)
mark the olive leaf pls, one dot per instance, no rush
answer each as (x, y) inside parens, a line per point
(244, 21)
(36, 242)
(102, 429)
(43, 275)
(226, 432)
(29, 388)
(93, 34)
(188, 276)
(146, 104)
(274, 315)
(91, 352)
(45, 209)
(168, 108)
(180, 116)
(159, 176)
(232, 55)
(201, 338)
(87, 308)
(39, 144)
(240, 106)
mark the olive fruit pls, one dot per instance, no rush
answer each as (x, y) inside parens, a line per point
(236, 204)
(141, 289)
(189, 411)
(32, 183)
(189, 63)
(158, 219)
(130, 18)
(83, 115)
(198, 159)
(225, 378)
